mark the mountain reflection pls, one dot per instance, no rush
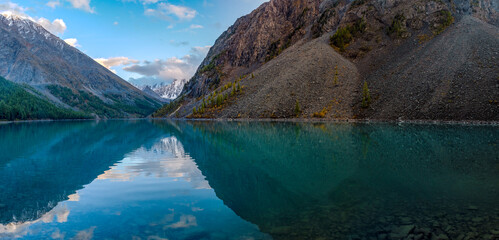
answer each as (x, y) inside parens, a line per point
(158, 179)
(166, 158)
(44, 163)
(300, 181)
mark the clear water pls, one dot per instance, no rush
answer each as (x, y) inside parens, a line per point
(235, 180)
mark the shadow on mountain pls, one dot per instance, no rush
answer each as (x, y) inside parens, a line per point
(44, 163)
(301, 181)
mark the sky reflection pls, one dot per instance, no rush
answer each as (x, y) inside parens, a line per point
(155, 191)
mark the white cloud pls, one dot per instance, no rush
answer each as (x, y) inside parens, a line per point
(166, 10)
(149, 1)
(54, 4)
(73, 42)
(12, 9)
(116, 23)
(115, 61)
(171, 68)
(82, 4)
(56, 27)
(195, 26)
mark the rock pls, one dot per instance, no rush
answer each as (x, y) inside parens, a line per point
(424, 231)
(472, 207)
(419, 236)
(488, 237)
(439, 237)
(495, 231)
(402, 231)
(2, 205)
(477, 219)
(406, 220)
(382, 236)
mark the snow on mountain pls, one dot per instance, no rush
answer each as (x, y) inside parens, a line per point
(166, 91)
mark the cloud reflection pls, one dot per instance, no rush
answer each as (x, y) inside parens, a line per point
(184, 222)
(167, 158)
(19, 229)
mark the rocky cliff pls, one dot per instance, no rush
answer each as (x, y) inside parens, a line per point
(368, 59)
(31, 55)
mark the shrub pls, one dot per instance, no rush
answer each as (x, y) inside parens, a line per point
(344, 35)
(445, 20)
(208, 67)
(397, 28)
(320, 114)
(341, 38)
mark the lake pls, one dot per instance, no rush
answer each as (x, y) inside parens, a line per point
(248, 180)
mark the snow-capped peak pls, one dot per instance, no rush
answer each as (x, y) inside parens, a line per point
(167, 91)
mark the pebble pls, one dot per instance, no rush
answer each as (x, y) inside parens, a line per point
(472, 207)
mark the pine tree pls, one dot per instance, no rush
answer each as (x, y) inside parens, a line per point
(366, 96)
(297, 109)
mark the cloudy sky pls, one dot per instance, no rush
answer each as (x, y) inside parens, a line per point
(143, 41)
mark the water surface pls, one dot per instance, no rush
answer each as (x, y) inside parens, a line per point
(238, 180)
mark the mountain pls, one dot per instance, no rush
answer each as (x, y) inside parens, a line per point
(31, 55)
(361, 59)
(18, 103)
(165, 91)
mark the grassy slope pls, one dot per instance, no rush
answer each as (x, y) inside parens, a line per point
(18, 104)
(89, 103)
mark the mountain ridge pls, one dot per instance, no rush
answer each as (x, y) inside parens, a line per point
(31, 55)
(286, 69)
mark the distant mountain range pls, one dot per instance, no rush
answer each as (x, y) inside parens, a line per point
(164, 90)
(64, 76)
(352, 59)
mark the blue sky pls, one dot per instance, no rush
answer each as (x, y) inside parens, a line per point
(145, 40)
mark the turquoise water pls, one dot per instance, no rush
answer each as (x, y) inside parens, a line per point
(238, 180)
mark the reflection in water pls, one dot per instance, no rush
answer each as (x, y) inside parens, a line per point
(116, 180)
(215, 180)
(166, 158)
(345, 181)
(44, 163)
(19, 229)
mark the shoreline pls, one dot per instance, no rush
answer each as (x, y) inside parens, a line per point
(306, 120)
(291, 120)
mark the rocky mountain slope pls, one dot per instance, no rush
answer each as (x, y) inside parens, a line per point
(31, 55)
(362, 59)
